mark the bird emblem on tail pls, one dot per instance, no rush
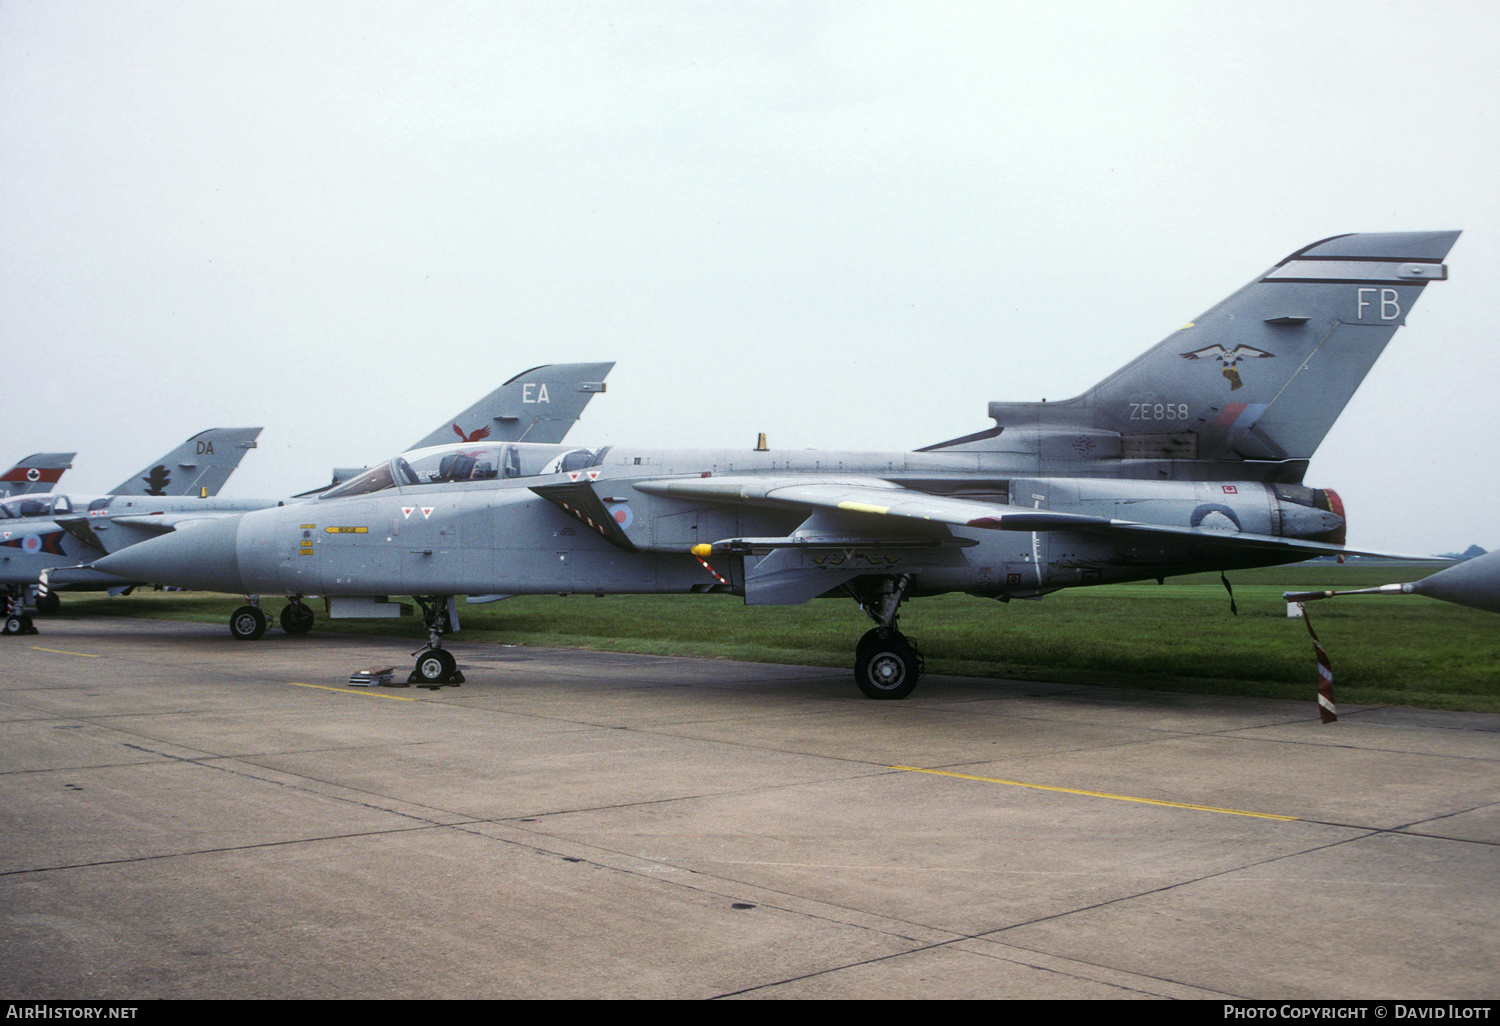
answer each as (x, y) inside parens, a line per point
(1229, 358)
(157, 480)
(477, 435)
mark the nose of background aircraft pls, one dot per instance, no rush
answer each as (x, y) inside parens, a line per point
(201, 554)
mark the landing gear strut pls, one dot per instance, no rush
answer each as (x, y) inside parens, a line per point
(435, 664)
(886, 663)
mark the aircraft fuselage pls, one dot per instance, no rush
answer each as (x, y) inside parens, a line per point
(596, 532)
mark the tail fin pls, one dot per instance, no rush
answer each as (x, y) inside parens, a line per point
(199, 466)
(1260, 378)
(36, 473)
(539, 405)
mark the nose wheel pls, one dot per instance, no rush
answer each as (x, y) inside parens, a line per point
(17, 620)
(436, 666)
(17, 623)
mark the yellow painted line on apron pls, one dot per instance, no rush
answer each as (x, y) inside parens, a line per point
(1099, 794)
(353, 691)
(60, 651)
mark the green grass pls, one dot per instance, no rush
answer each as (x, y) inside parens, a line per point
(1178, 637)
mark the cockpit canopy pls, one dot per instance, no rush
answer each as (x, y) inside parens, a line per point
(35, 506)
(459, 464)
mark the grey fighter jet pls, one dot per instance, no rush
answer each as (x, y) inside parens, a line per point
(36, 473)
(38, 531)
(1190, 458)
(54, 534)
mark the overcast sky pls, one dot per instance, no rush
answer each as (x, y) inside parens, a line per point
(849, 225)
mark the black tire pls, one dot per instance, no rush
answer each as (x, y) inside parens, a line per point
(871, 637)
(247, 623)
(886, 667)
(435, 666)
(48, 604)
(296, 618)
(14, 625)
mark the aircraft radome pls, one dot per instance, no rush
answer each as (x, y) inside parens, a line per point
(49, 536)
(1190, 458)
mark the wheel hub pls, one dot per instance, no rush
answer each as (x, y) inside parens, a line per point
(887, 671)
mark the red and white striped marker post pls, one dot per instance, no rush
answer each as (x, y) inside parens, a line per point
(1326, 709)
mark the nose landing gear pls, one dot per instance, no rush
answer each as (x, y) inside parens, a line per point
(17, 620)
(435, 664)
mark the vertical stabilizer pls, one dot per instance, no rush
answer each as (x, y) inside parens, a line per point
(539, 405)
(199, 466)
(1260, 377)
(36, 473)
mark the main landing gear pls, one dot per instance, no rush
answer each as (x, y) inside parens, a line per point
(249, 623)
(435, 664)
(886, 663)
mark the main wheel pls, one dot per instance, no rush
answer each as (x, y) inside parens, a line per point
(435, 666)
(247, 624)
(296, 618)
(48, 604)
(886, 667)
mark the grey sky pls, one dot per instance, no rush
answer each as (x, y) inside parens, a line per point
(846, 225)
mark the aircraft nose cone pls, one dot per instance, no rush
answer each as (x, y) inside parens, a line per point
(201, 554)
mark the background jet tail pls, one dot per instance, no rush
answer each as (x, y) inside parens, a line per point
(1261, 377)
(199, 466)
(36, 473)
(539, 405)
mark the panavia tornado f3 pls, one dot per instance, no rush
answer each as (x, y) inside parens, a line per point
(1190, 458)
